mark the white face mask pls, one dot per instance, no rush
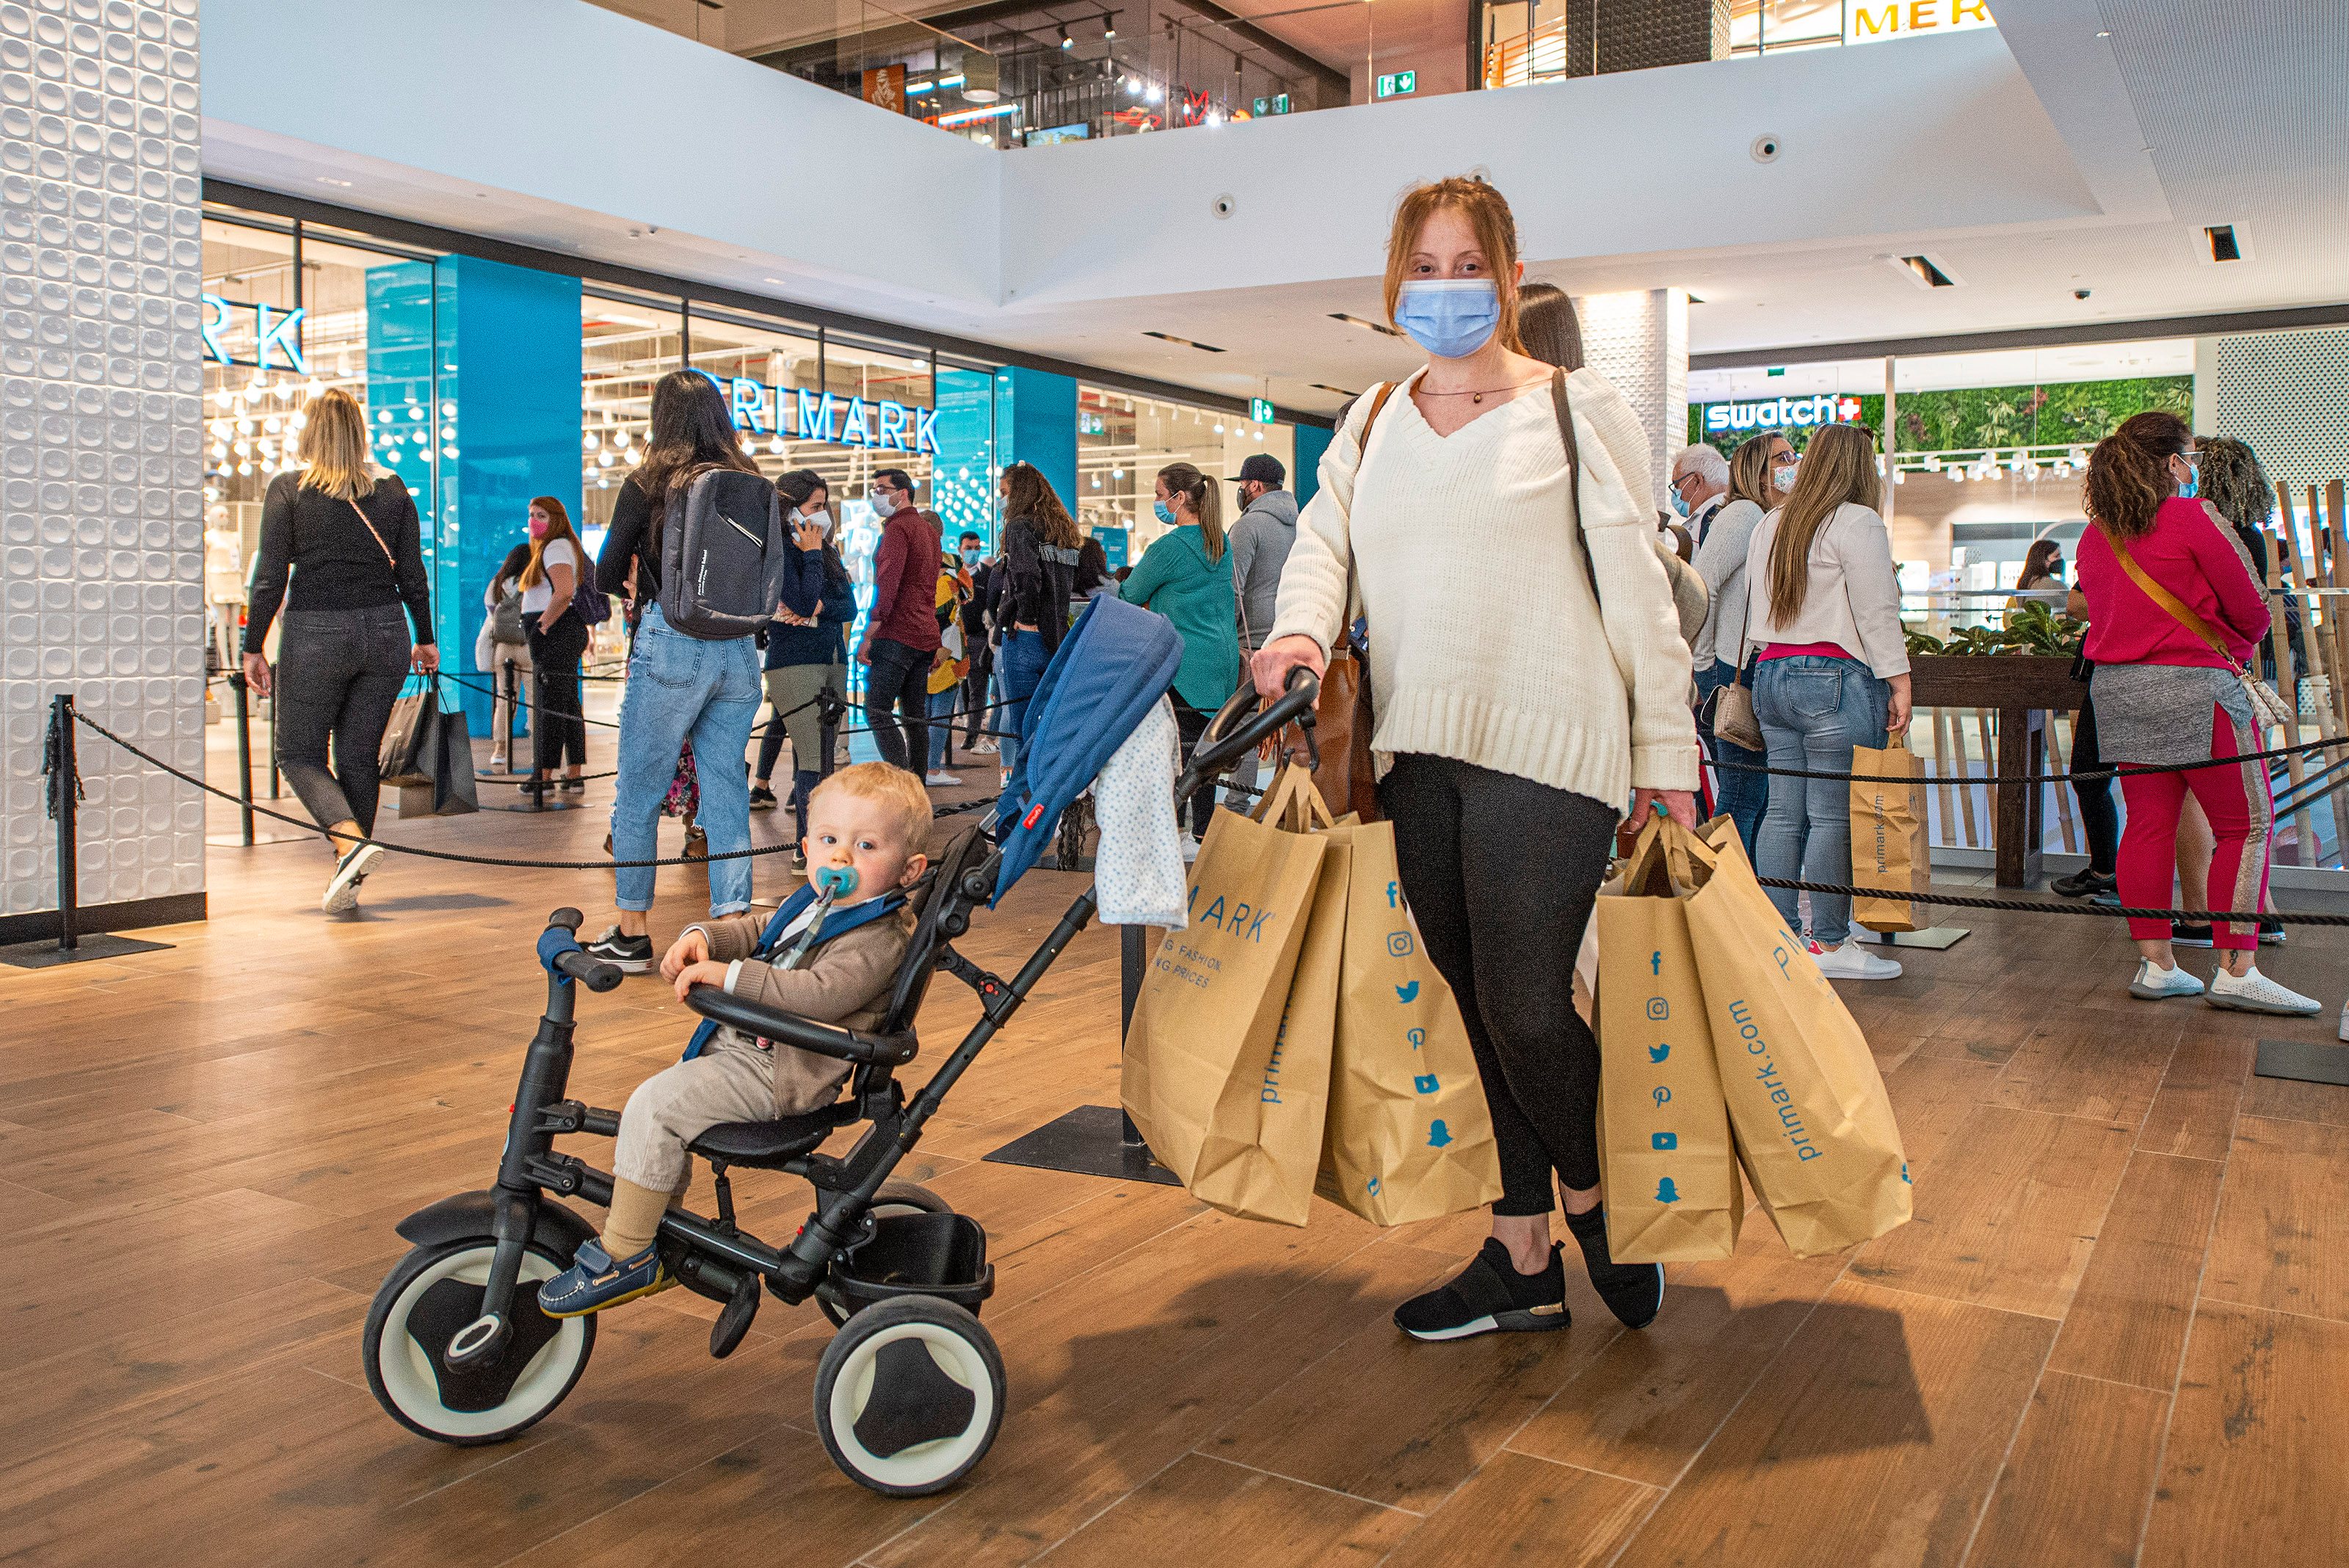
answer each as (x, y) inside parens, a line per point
(820, 518)
(879, 502)
(1782, 476)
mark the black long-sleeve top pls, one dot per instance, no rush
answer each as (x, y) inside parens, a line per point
(334, 560)
(1037, 581)
(629, 540)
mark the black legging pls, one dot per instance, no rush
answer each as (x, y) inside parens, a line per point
(1192, 724)
(2100, 819)
(1501, 874)
(557, 728)
(338, 673)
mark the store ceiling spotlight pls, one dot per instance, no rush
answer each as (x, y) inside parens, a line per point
(1368, 326)
(1109, 26)
(1186, 342)
(1922, 271)
(1066, 41)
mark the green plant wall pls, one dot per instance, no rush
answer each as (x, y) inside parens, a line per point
(1970, 418)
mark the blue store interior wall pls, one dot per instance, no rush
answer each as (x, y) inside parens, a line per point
(962, 475)
(473, 395)
(1312, 441)
(1036, 423)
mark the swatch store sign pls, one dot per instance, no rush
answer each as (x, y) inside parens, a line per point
(1781, 414)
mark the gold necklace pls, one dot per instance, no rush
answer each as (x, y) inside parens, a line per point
(1473, 396)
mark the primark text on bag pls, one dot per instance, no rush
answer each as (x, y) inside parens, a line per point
(1890, 848)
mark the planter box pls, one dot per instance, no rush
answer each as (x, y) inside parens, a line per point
(1999, 680)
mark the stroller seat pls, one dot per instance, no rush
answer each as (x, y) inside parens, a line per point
(771, 1145)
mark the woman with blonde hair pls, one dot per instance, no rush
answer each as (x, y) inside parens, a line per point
(1186, 577)
(558, 639)
(340, 556)
(1529, 681)
(1823, 618)
(1761, 472)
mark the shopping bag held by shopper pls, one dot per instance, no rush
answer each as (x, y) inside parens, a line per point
(1673, 1194)
(1889, 849)
(1814, 1127)
(1226, 1101)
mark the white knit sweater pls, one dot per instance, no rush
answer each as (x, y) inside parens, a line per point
(1485, 645)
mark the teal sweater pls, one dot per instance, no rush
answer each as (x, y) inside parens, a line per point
(1176, 579)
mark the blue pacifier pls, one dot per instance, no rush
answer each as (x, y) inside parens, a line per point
(835, 881)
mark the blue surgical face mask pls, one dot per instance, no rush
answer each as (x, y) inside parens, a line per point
(1679, 503)
(970, 553)
(1166, 513)
(2191, 487)
(1451, 317)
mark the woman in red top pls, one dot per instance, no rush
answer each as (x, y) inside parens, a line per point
(2165, 694)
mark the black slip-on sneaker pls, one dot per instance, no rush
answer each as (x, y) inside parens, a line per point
(762, 798)
(629, 955)
(1490, 1297)
(1634, 1292)
(342, 895)
(2083, 883)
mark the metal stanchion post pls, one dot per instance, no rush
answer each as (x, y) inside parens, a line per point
(513, 679)
(65, 782)
(243, 755)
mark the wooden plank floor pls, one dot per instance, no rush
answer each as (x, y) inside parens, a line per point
(2116, 1332)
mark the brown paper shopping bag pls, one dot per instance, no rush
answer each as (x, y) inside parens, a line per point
(1814, 1127)
(1890, 848)
(1409, 1136)
(1673, 1195)
(1227, 1102)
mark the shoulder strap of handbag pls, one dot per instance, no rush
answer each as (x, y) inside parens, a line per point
(369, 523)
(2179, 611)
(1574, 480)
(1361, 448)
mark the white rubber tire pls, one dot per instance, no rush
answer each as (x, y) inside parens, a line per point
(958, 1347)
(401, 1377)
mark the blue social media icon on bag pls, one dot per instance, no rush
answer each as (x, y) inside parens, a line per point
(1399, 943)
(1664, 1140)
(1407, 992)
(1657, 1053)
(1666, 1193)
(1438, 1135)
(1424, 1082)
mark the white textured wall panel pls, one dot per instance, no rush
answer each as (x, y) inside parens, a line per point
(1640, 342)
(101, 506)
(2286, 393)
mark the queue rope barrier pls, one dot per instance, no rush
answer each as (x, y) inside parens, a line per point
(2022, 905)
(607, 865)
(2090, 775)
(522, 702)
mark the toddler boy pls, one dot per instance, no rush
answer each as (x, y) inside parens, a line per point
(869, 820)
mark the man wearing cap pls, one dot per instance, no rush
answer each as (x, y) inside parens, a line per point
(1260, 542)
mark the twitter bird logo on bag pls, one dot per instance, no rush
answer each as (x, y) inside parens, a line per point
(1657, 1053)
(1407, 992)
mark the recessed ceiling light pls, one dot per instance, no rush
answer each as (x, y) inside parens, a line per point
(1325, 387)
(1186, 342)
(1367, 326)
(330, 180)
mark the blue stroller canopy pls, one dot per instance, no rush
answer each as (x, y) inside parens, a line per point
(1109, 670)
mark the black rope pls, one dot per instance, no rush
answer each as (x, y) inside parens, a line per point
(2042, 906)
(2091, 776)
(524, 701)
(451, 854)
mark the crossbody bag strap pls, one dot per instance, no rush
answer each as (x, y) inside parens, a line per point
(1361, 449)
(2179, 611)
(369, 523)
(1574, 480)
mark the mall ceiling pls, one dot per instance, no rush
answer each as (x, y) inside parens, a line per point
(2165, 117)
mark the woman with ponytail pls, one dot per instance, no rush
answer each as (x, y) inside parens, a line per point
(1186, 577)
(2173, 611)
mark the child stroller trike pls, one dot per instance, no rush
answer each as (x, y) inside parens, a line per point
(910, 1392)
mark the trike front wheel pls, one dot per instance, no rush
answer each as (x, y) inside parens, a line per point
(434, 1291)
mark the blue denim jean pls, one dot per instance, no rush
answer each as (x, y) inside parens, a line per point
(1814, 710)
(943, 706)
(1024, 660)
(683, 687)
(1743, 792)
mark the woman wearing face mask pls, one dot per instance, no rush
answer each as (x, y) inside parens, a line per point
(1510, 730)
(1186, 577)
(807, 650)
(558, 640)
(1761, 472)
(1039, 564)
(2165, 693)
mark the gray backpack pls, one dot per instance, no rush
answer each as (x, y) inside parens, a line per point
(722, 553)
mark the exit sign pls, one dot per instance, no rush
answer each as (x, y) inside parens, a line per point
(1275, 105)
(1398, 84)
(1261, 409)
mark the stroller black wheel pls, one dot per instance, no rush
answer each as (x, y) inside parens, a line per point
(895, 1197)
(909, 1396)
(431, 1294)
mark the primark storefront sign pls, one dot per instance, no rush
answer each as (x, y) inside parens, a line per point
(1780, 413)
(878, 425)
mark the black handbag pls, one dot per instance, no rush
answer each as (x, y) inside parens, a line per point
(402, 757)
(449, 754)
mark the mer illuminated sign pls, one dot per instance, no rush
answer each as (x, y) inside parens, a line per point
(1780, 413)
(758, 409)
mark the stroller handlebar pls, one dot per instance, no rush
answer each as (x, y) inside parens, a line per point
(791, 1029)
(1218, 751)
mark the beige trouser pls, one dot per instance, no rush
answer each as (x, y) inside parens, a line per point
(731, 1081)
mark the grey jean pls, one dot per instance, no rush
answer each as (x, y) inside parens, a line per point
(338, 673)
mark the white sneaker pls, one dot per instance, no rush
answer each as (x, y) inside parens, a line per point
(342, 893)
(2154, 983)
(937, 778)
(1190, 848)
(1852, 961)
(984, 746)
(2252, 991)
(2344, 1021)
